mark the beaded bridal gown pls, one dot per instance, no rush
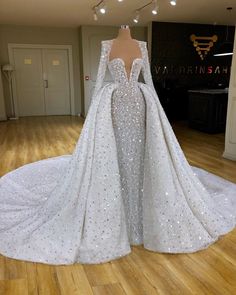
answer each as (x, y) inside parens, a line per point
(126, 183)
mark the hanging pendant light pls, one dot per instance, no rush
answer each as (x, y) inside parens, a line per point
(227, 47)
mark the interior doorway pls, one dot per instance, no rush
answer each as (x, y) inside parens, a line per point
(43, 79)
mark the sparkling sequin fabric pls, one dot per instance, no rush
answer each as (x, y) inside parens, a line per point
(126, 183)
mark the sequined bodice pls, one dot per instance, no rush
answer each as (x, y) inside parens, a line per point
(118, 72)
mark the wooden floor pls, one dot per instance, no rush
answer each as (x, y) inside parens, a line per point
(211, 271)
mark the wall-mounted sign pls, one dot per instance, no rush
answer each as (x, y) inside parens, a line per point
(203, 44)
(27, 61)
(191, 70)
(182, 58)
(183, 54)
(56, 62)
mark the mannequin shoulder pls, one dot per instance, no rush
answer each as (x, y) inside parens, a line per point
(143, 43)
(106, 42)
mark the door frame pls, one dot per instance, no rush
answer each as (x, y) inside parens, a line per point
(12, 46)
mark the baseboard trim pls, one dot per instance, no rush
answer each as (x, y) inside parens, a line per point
(229, 156)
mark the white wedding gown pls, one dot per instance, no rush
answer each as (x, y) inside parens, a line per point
(126, 183)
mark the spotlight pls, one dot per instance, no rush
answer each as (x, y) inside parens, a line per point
(173, 2)
(120, 0)
(154, 10)
(95, 16)
(136, 18)
(102, 8)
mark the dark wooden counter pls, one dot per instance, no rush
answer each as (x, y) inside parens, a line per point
(207, 109)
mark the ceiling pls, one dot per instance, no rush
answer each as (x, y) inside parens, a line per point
(73, 13)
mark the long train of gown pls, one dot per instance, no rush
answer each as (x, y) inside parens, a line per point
(126, 183)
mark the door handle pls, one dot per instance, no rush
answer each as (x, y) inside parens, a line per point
(46, 83)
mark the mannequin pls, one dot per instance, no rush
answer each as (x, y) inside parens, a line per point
(125, 47)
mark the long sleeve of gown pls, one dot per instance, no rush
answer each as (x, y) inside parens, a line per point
(101, 69)
(146, 70)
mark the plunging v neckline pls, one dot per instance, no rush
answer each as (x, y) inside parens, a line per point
(123, 62)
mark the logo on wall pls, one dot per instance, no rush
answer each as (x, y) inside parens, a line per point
(203, 44)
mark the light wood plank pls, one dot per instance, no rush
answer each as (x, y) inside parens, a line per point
(110, 289)
(208, 272)
(14, 287)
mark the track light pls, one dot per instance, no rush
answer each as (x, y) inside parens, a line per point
(95, 16)
(99, 7)
(154, 11)
(155, 7)
(136, 18)
(102, 8)
(152, 3)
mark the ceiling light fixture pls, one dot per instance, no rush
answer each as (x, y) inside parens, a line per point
(226, 48)
(137, 11)
(95, 16)
(102, 8)
(95, 13)
(155, 7)
(99, 7)
(137, 15)
(173, 2)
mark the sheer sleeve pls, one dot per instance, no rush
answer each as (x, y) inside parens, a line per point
(146, 70)
(101, 69)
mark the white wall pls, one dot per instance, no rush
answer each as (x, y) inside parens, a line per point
(85, 56)
(41, 35)
(230, 138)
